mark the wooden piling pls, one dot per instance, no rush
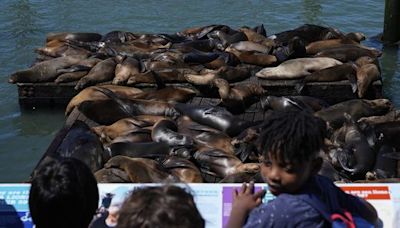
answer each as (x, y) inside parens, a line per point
(391, 29)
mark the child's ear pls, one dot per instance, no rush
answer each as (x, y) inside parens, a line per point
(317, 164)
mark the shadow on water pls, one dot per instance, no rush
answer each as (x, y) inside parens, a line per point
(312, 11)
(9, 216)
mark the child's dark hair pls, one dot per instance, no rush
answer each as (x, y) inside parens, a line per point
(63, 193)
(160, 206)
(292, 136)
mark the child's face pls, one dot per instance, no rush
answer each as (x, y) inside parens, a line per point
(286, 177)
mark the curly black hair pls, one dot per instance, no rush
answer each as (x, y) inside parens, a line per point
(292, 136)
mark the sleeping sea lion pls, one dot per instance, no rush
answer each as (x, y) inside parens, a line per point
(101, 72)
(297, 68)
(366, 74)
(348, 52)
(140, 170)
(123, 70)
(183, 169)
(91, 93)
(357, 108)
(217, 163)
(45, 71)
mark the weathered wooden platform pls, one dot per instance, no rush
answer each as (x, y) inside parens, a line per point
(51, 94)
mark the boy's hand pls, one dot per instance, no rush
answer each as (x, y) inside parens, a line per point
(245, 199)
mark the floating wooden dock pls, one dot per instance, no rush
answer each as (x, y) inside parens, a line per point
(50, 94)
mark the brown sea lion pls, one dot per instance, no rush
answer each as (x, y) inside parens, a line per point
(129, 66)
(307, 32)
(348, 52)
(183, 169)
(215, 140)
(119, 128)
(321, 45)
(45, 71)
(231, 74)
(84, 65)
(217, 163)
(166, 131)
(254, 58)
(91, 93)
(81, 36)
(345, 71)
(257, 38)
(139, 170)
(366, 74)
(111, 175)
(250, 46)
(238, 98)
(357, 108)
(391, 116)
(132, 137)
(297, 68)
(70, 76)
(160, 76)
(151, 150)
(101, 72)
(177, 94)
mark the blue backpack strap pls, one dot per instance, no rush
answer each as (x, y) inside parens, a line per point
(318, 205)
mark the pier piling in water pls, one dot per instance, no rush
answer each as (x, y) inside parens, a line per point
(391, 29)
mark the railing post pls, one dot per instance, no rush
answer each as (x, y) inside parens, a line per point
(391, 28)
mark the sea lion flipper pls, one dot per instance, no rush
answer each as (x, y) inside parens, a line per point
(353, 82)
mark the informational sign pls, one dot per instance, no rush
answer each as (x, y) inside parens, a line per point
(214, 201)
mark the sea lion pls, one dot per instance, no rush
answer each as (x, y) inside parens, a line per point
(217, 163)
(91, 93)
(166, 131)
(357, 108)
(238, 98)
(345, 71)
(254, 58)
(366, 74)
(216, 117)
(321, 45)
(81, 143)
(84, 65)
(184, 169)
(391, 116)
(388, 133)
(111, 175)
(168, 94)
(307, 32)
(138, 150)
(101, 72)
(358, 145)
(45, 71)
(250, 46)
(283, 104)
(160, 77)
(348, 52)
(129, 66)
(119, 128)
(231, 74)
(227, 39)
(70, 76)
(257, 38)
(80, 36)
(139, 170)
(297, 68)
(123, 108)
(215, 140)
(139, 136)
